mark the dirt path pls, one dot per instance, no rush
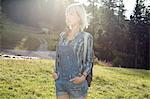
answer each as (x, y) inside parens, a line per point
(43, 45)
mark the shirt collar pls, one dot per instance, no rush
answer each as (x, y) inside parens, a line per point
(73, 37)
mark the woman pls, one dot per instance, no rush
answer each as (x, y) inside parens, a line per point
(70, 81)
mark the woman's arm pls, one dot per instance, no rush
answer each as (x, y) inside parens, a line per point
(57, 59)
(89, 57)
(57, 51)
(55, 74)
(88, 63)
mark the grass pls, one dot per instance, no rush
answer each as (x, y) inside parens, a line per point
(26, 79)
(31, 79)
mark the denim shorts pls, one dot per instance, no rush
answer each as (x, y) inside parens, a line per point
(66, 87)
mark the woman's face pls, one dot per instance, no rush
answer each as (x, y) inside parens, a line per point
(72, 18)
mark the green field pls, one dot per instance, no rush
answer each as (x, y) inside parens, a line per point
(31, 79)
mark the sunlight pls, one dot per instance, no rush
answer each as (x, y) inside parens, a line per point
(46, 0)
(81, 1)
(85, 2)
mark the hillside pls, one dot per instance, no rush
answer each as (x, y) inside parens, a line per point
(20, 37)
(31, 79)
(16, 36)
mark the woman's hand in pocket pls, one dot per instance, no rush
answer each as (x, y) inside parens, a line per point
(78, 80)
(55, 75)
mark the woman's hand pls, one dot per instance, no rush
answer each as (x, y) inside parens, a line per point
(54, 75)
(78, 80)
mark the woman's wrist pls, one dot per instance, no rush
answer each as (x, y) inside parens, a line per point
(84, 75)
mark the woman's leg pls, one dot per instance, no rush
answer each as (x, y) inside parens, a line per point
(85, 97)
(63, 97)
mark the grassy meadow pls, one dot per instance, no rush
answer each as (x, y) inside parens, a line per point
(31, 79)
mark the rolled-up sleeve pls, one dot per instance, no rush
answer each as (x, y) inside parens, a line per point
(89, 57)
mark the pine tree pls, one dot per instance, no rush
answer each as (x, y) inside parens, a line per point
(140, 35)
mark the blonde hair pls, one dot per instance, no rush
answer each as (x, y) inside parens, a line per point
(80, 10)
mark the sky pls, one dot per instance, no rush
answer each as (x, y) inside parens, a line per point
(129, 6)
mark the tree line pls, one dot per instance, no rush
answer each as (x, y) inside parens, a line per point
(124, 43)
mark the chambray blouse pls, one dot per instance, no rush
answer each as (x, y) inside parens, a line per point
(78, 47)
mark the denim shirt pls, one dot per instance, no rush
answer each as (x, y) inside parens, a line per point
(78, 47)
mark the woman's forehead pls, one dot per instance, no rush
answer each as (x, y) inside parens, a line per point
(70, 13)
(71, 10)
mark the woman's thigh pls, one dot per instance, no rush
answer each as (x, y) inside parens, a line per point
(67, 97)
(85, 97)
(63, 97)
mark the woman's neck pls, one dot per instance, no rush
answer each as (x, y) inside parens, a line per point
(73, 30)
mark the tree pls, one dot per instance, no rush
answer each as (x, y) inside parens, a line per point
(139, 34)
(110, 29)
